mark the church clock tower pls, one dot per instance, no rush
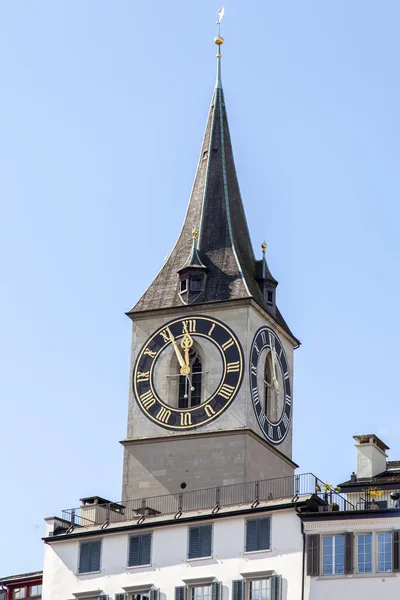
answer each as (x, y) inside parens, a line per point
(212, 357)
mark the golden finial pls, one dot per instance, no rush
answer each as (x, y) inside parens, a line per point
(218, 41)
(195, 234)
(264, 247)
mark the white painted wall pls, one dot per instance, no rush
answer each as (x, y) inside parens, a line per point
(371, 460)
(349, 587)
(169, 560)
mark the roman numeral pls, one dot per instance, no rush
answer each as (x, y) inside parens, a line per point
(150, 353)
(147, 399)
(211, 329)
(226, 391)
(209, 410)
(233, 367)
(189, 326)
(280, 353)
(279, 432)
(253, 370)
(263, 338)
(286, 375)
(262, 419)
(288, 400)
(270, 431)
(142, 376)
(166, 335)
(186, 419)
(227, 344)
(256, 397)
(257, 349)
(285, 420)
(163, 415)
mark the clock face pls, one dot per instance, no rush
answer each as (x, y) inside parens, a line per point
(188, 372)
(270, 385)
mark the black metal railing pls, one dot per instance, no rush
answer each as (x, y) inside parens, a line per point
(291, 487)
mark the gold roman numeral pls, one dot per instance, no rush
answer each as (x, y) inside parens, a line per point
(209, 410)
(233, 367)
(166, 335)
(150, 353)
(189, 326)
(211, 329)
(186, 419)
(227, 344)
(163, 415)
(147, 399)
(226, 391)
(140, 376)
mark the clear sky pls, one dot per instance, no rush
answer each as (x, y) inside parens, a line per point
(102, 110)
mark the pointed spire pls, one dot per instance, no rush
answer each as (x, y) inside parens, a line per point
(222, 247)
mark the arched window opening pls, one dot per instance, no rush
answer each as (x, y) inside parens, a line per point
(190, 387)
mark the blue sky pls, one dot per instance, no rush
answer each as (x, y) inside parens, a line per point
(102, 112)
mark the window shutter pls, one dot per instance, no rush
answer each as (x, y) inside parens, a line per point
(396, 551)
(348, 553)
(95, 550)
(251, 535)
(145, 549)
(216, 591)
(264, 533)
(313, 555)
(154, 594)
(238, 589)
(84, 557)
(194, 542)
(205, 540)
(133, 555)
(120, 596)
(276, 587)
(180, 593)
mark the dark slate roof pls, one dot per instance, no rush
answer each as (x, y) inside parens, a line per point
(386, 478)
(215, 210)
(21, 577)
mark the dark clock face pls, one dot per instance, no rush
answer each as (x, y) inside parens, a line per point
(188, 372)
(270, 385)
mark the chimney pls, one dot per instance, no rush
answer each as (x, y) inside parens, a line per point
(371, 455)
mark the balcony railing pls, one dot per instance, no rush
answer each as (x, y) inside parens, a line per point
(213, 499)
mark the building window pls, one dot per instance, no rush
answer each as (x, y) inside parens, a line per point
(200, 541)
(258, 534)
(141, 596)
(19, 593)
(260, 589)
(89, 557)
(384, 554)
(196, 283)
(333, 555)
(364, 553)
(35, 590)
(201, 592)
(270, 297)
(183, 285)
(139, 550)
(190, 387)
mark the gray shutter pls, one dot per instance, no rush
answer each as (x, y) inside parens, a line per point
(205, 540)
(194, 542)
(95, 551)
(396, 551)
(264, 533)
(276, 587)
(84, 557)
(145, 549)
(133, 555)
(348, 553)
(154, 594)
(313, 555)
(238, 589)
(120, 597)
(216, 590)
(180, 593)
(251, 535)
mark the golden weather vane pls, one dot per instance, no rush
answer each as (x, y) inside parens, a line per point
(219, 40)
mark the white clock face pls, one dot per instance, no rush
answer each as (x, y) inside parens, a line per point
(270, 385)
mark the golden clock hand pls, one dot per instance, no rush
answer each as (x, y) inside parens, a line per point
(181, 360)
(186, 344)
(275, 379)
